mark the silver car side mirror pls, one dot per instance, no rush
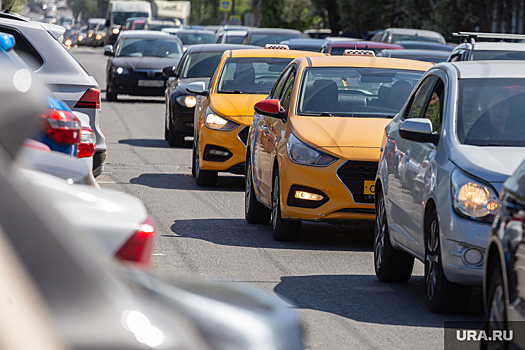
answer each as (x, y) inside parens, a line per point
(418, 130)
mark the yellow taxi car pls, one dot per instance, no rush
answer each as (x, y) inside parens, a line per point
(313, 145)
(225, 110)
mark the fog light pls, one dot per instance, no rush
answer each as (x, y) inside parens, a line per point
(308, 196)
(217, 152)
(473, 256)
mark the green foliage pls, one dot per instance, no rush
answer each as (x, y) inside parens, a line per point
(17, 6)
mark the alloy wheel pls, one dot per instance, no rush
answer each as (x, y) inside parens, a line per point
(247, 187)
(379, 241)
(432, 259)
(275, 202)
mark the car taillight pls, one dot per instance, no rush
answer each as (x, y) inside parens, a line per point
(88, 143)
(90, 99)
(63, 127)
(139, 246)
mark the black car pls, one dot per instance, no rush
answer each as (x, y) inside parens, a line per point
(313, 45)
(197, 64)
(418, 55)
(504, 273)
(263, 36)
(136, 62)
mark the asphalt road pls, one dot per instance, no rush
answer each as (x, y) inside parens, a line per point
(328, 275)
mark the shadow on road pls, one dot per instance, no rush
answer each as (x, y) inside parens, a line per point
(134, 100)
(187, 182)
(351, 296)
(153, 143)
(314, 236)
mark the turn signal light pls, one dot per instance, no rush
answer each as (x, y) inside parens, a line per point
(88, 143)
(308, 196)
(63, 127)
(90, 99)
(139, 246)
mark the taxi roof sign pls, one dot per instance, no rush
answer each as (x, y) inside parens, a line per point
(277, 47)
(349, 52)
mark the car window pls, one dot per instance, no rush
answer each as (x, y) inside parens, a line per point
(141, 47)
(261, 39)
(420, 97)
(287, 94)
(280, 85)
(434, 108)
(200, 64)
(196, 38)
(24, 49)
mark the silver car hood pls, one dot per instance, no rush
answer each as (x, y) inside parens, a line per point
(492, 164)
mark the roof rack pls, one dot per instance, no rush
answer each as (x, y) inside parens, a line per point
(277, 47)
(349, 52)
(474, 35)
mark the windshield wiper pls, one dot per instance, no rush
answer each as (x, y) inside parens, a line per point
(230, 92)
(327, 114)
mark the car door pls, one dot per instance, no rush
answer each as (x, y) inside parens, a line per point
(416, 172)
(400, 198)
(263, 146)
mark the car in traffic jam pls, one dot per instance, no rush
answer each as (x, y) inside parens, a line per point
(306, 192)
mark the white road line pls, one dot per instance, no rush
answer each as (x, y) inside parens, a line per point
(158, 254)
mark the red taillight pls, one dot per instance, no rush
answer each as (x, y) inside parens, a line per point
(63, 127)
(90, 99)
(88, 143)
(36, 145)
(139, 246)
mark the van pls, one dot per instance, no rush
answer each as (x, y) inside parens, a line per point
(119, 12)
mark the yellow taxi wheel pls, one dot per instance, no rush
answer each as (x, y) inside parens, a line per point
(254, 212)
(203, 178)
(283, 230)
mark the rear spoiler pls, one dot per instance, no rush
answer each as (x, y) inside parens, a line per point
(56, 32)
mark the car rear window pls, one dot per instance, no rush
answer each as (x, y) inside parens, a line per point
(500, 55)
(261, 39)
(24, 49)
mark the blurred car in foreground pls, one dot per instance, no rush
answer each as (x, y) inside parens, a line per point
(226, 108)
(197, 65)
(458, 138)
(54, 65)
(418, 55)
(503, 283)
(263, 36)
(474, 50)
(425, 45)
(314, 143)
(70, 297)
(337, 48)
(313, 45)
(135, 65)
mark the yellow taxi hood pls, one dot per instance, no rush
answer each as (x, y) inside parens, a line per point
(237, 107)
(340, 135)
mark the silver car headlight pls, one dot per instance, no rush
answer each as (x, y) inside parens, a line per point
(473, 199)
(300, 153)
(216, 122)
(188, 101)
(121, 70)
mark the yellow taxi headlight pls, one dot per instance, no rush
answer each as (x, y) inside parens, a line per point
(213, 121)
(301, 153)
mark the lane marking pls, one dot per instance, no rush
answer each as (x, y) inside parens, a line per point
(158, 254)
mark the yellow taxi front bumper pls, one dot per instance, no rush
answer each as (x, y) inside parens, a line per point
(223, 150)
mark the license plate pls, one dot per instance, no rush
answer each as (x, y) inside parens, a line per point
(370, 187)
(151, 83)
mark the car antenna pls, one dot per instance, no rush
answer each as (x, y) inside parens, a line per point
(10, 7)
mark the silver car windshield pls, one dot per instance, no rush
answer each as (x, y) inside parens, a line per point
(342, 91)
(491, 112)
(135, 47)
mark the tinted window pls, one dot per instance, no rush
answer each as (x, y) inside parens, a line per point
(280, 85)
(121, 17)
(491, 112)
(138, 47)
(234, 39)
(24, 49)
(285, 100)
(255, 75)
(261, 39)
(401, 37)
(195, 38)
(355, 91)
(201, 64)
(479, 55)
(420, 97)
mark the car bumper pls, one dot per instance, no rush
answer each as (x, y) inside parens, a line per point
(129, 85)
(338, 204)
(228, 141)
(458, 235)
(183, 121)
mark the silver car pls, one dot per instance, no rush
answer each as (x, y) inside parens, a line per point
(39, 46)
(443, 162)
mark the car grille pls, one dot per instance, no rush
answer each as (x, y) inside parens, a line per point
(353, 174)
(243, 135)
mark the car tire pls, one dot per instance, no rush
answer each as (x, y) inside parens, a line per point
(283, 230)
(193, 160)
(166, 129)
(203, 178)
(391, 265)
(111, 96)
(173, 139)
(442, 296)
(496, 317)
(254, 212)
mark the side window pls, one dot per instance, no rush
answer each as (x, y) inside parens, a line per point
(434, 109)
(24, 49)
(287, 94)
(456, 57)
(181, 63)
(420, 98)
(279, 85)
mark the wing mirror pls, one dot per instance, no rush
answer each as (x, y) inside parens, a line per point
(418, 130)
(197, 88)
(271, 108)
(170, 71)
(108, 50)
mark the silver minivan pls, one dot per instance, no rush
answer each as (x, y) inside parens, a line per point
(443, 162)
